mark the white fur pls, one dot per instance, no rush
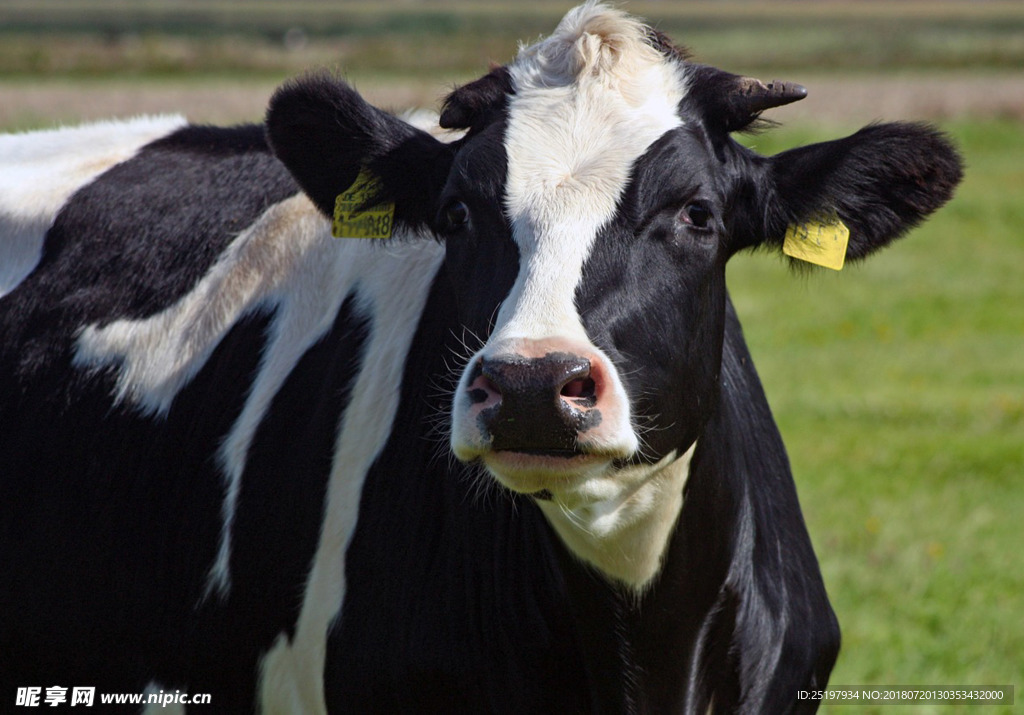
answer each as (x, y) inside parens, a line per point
(40, 170)
(282, 260)
(620, 523)
(588, 102)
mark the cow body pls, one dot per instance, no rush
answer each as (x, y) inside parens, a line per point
(225, 435)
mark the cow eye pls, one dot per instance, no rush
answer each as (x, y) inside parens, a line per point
(454, 215)
(696, 214)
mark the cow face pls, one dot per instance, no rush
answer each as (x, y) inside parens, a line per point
(588, 215)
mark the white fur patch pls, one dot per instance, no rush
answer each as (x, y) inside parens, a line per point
(286, 261)
(588, 102)
(620, 523)
(40, 170)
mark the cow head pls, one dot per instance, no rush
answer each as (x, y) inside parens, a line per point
(588, 214)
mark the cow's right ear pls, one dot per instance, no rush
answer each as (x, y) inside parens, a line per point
(325, 132)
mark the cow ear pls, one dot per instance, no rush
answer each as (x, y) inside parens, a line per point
(325, 132)
(880, 182)
(471, 103)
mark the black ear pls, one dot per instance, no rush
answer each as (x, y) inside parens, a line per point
(471, 104)
(324, 132)
(881, 181)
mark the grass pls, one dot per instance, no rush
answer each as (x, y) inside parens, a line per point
(180, 37)
(899, 388)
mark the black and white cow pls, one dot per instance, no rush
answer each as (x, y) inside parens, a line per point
(224, 435)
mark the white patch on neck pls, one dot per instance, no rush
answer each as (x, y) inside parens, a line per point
(39, 171)
(286, 261)
(621, 523)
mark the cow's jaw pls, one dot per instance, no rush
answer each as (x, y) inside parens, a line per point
(588, 102)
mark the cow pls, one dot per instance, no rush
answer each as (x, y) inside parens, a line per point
(500, 448)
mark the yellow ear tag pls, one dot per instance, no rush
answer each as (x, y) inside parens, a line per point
(821, 241)
(352, 220)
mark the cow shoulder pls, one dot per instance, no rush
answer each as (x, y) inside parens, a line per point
(43, 168)
(138, 237)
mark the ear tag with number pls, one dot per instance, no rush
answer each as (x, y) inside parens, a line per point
(353, 219)
(821, 241)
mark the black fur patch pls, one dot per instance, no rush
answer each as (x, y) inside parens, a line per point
(108, 524)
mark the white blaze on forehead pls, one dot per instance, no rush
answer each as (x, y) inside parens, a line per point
(588, 101)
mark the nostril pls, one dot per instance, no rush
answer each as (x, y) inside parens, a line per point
(482, 389)
(581, 388)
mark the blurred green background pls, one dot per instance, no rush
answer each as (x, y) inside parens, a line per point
(898, 384)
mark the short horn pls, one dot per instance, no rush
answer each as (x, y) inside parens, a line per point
(753, 96)
(733, 102)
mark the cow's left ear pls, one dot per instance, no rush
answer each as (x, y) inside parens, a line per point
(325, 132)
(880, 182)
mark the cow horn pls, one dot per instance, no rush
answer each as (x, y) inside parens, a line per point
(733, 102)
(753, 96)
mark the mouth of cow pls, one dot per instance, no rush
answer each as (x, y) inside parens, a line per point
(562, 453)
(545, 471)
(558, 459)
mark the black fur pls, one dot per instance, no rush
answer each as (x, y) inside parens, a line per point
(477, 103)
(882, 181)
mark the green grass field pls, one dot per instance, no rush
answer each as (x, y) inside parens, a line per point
(898, 384)
(231, 37)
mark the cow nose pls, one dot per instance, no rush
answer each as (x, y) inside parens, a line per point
(536, 404)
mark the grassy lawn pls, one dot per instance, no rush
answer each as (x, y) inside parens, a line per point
(450, 37)
(899, 388)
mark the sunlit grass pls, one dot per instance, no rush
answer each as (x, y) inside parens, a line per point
(161, 37)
